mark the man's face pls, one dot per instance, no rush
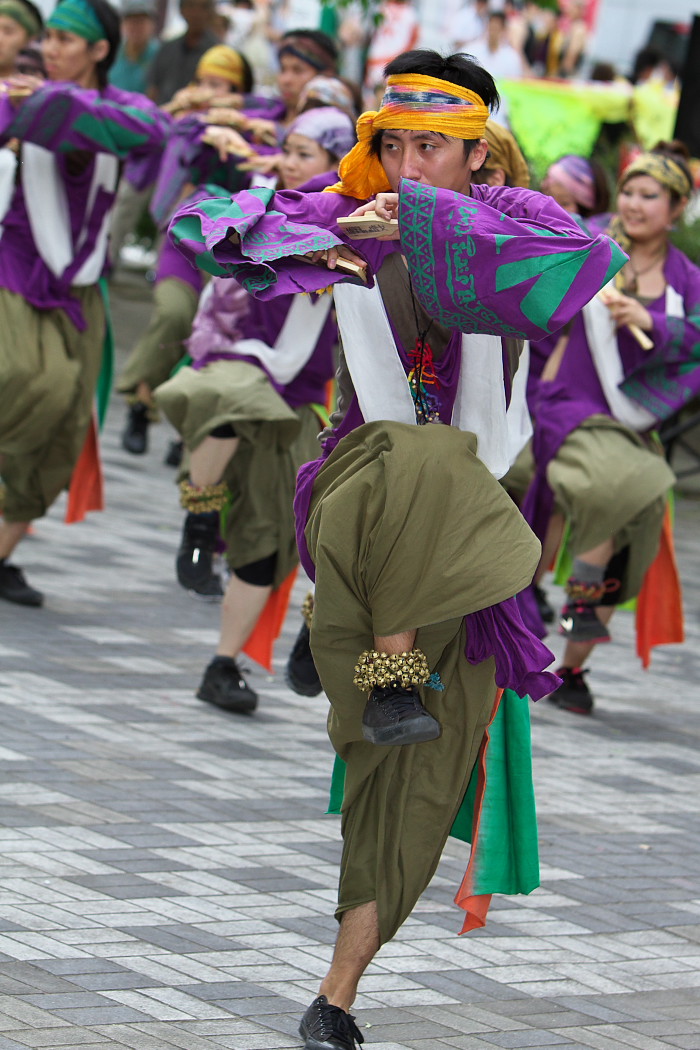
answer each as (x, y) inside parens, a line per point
(430, 158)
(198, 14)
(293, 75)
(137, 29)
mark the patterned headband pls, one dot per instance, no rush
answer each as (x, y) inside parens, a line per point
(412, 102)
(330, 128)
(307, 51)
(576, 175)
(78, 17)
(664, 170)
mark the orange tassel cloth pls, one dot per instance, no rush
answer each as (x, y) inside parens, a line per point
(267, 630)
(659, 618)
(86, 491)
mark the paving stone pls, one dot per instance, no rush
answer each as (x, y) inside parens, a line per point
(167, 874)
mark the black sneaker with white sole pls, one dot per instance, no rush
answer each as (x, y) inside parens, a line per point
(326, 1027)
(394, 714)
(224, 686)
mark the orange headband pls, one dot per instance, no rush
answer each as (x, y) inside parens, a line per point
(408, 100)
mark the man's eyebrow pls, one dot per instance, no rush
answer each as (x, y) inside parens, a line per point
(417, 134)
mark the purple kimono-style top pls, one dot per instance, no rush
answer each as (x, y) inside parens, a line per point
(661, 380)
(503, 261)
(76, 127)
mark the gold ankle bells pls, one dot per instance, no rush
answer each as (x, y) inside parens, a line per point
(307, 609)
(200, 500)
(381, 669)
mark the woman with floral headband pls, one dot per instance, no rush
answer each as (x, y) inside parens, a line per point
(630, 361)
(73, 132)
(416, 549)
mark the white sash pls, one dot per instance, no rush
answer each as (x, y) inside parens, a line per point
(8, 169)
(601, 335)
(49, 217)
(296, 342)
(382, 389)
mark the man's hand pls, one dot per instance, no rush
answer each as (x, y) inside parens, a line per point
(386, 206)
(332, 257)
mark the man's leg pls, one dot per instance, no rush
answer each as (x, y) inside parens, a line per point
(356, 946)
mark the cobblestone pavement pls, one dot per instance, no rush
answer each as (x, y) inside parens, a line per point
(168, 874)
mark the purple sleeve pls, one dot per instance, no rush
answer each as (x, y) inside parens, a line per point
(667, 377)
(509, 263)
(63, 117)
(274, 229)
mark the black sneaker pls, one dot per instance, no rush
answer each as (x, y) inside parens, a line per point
(326, 1027)
(195, 558)
(224, 686)
(580, 623)
(14, 587)
(573, 694)
(300, 674)
(173, 457)
(135, 433)
(395, 715)
(545, 610)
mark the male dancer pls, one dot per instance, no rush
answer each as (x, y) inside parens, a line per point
(416, 549)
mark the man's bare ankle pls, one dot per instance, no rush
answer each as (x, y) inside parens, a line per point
(337, 996)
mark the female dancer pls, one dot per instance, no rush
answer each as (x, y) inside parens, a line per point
(599, 401)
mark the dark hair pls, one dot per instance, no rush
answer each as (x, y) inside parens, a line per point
(679, 153)
(460, 69)
(317, 37)
(247, 80)
(111, 23)
(499, 16)
(601, 191)
(35, 12)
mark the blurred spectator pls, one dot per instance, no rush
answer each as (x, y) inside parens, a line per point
(250, 33)
(176, 61)
(398, 31)
(578, 185)
(468, 25)
(543, 44)
(494, 52)
(138, 47)
(575, 39)
(503, 62)
(651, 65)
